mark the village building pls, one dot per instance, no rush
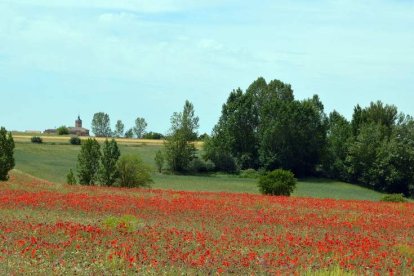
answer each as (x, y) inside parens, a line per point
(77, 130)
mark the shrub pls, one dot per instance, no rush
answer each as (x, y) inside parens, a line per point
(6, 154)
(63, 130)
(153, 135)
(70, 178)
(393, 198)
(198, 165)
(249, 173)
(37, 140)
(132, 172)
(159, 160)
(75, 140)
(277, 182)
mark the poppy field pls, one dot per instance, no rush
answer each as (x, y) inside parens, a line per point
(51, 229)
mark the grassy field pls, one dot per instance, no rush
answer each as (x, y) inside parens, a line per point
(52, 160)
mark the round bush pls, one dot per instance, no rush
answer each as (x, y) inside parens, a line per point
(37, 139)
(75, 140)
(249, 173)
(278, 182)
(133, 172)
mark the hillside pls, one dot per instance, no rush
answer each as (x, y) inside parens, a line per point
(52, 160)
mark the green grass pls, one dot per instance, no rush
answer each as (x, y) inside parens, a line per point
(326, 188)
(52, 162)
(212, 183)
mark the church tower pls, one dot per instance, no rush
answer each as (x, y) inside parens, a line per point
(78, 122)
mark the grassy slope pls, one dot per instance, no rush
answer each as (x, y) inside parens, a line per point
(53, 161)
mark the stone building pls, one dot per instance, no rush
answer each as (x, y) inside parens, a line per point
(77, 130)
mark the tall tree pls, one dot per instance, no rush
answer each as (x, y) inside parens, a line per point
(119, 129)
(363, 154)
(377, 113)
(178, 147)
(140, 127)
(338, 139)
(395, 160)
(101, 125)
(110, 155)
(88, 162)
(129, 133)
(6, 154)
(266, 127)
(292, 134)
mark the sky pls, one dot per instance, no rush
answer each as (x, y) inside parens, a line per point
(61, 59)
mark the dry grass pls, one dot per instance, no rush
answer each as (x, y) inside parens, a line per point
(65, 138)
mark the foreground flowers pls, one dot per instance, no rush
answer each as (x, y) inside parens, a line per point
(108, 230)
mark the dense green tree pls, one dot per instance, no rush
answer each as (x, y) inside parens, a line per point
(129, 133)
(377, 113)
(140, 126)
(363, 153)
(178, 145)
(63, 130)
(101, 125)
(159, 160)
(133, 172)
(394, 166)
(88, 162)
(265, 127)
(216, 149)
(292, 134)
(153, 135)
(119, 129)
(339, 135)
(6, 154)
(110, 155)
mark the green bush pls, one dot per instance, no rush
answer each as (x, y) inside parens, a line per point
(37, 140)
(132, 172)
(198, 165)
(393, 198)
(75, 140)
(70, 178)
(153, 135)
(249, 173)
(63, 130)
(278, 182)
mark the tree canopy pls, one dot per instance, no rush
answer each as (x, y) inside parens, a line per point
(101, 125)
(178, 147)
(7, 162)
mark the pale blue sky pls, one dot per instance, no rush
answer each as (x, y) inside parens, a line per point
(144, 58)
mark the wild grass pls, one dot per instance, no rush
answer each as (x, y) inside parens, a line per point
(52, 161)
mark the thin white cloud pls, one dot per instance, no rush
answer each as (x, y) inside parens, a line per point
(140, 6)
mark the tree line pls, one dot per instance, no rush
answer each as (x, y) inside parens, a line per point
(105, 166)
(266, 128)
(101, 128)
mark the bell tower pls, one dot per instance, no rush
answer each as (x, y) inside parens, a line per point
(78, 122)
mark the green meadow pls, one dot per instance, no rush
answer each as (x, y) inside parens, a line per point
(52, 161)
